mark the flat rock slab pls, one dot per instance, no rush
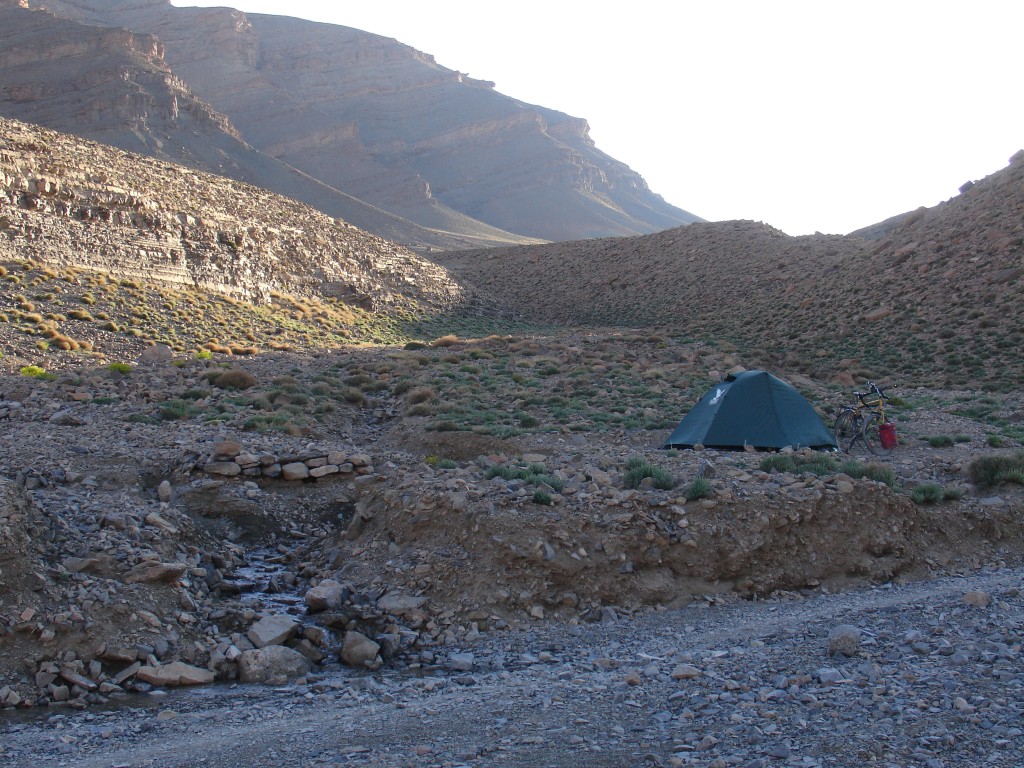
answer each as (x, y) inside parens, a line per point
(175, 673)
(273, 630)
(147, 573)
(399, 604)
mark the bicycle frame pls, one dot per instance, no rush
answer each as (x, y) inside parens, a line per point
(854, 422)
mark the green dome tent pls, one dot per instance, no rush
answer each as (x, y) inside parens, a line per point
(753, 409)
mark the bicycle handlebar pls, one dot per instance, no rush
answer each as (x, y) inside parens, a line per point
(873, 389)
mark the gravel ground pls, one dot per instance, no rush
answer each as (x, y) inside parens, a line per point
(935, 679)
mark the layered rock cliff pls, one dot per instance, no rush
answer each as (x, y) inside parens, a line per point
(70, 202)
(386, 124)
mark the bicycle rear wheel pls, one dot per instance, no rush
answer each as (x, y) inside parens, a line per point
(872, 439)
(845, 430)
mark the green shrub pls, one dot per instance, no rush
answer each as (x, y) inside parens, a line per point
(37, 373)
(541, 497)
(880, 473)
(819, 465)
(447, 464)
(203, 354)
(274, 422)
(527, 475)
(927, 493)
(989, 471)
(123, 368)
(778, 462)
(940, 441)
(177, 410)
(663, 479)
(635, 462)
(638, 470)
(699, 488)
(995, 441)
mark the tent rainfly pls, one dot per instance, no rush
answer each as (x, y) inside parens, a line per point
(753, 409)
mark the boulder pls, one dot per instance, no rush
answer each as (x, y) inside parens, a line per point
(274, 661)
(296, 470)
(272, 630)
(359, 651)
(844, 639)
(158, 353)
(327, 595)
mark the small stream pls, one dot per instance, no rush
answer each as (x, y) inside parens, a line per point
(263, 585)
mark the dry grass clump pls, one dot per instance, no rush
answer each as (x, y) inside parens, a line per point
(420, 395)
(445, 341)
(235, 378)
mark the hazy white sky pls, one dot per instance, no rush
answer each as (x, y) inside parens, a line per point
(810, 115)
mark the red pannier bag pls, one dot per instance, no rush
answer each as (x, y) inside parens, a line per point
(887, 435)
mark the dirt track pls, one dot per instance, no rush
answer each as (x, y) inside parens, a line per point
(934, 681)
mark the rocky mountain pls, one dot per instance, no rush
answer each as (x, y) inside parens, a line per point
(935, 297)
(371, 125)
(114, 86)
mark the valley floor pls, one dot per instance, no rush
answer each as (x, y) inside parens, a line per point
(935, 678)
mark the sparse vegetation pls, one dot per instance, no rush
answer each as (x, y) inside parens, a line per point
(236, 378)
(638, 469)
(533, 474)
(819, 464)
(880, 473)
(698, 488)
(933, 493)
(989, 471)
(37, 372)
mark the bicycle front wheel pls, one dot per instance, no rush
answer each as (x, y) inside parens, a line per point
(845, 431)
(872, 438)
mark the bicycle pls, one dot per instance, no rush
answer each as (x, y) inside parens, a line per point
(866, 421)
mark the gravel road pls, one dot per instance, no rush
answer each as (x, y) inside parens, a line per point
(935, 679)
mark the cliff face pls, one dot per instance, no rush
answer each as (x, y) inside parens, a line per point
(69, 202)
(386, 124)
(113, 81)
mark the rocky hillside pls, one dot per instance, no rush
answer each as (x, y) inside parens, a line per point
(457, 162)
(937, 300)
(68, 202)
